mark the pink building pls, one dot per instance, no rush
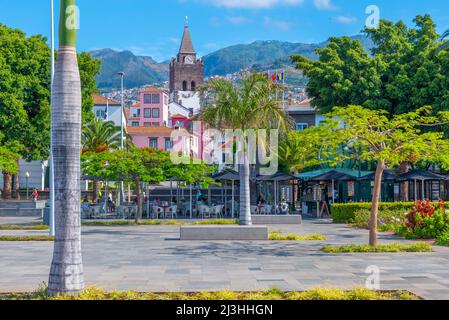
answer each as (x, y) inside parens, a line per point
(152, 111)
(150, 125)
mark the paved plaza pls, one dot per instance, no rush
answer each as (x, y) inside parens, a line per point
(151, 258)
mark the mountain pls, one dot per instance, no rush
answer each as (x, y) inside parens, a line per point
(139, 70)
(259, 55)
(262, 55)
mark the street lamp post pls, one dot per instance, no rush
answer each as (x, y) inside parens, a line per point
(27, 175)
(122, 145)
(52, 64)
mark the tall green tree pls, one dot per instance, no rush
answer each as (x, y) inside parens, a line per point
(66, 273)
(135, 166)
(401, 74)
(25, 94)
(99, 136)
(249, 105)
(389, 142)
(89, 68)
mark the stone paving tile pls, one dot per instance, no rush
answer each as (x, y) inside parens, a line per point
(141, 259)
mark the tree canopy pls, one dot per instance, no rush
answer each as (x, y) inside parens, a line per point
(404, 71)
(25, 92)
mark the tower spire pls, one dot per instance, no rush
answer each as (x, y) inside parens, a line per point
(186, 44)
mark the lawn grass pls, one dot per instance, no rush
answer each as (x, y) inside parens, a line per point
(27, 238)
(274, 294)
(17, 227)
(277, 236)
(112, 223)
(387, 248)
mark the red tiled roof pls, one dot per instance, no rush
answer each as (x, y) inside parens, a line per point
(150, 130)
(100, 100)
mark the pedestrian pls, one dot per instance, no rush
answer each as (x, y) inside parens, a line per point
(35, 195)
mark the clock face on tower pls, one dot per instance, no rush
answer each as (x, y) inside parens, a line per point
(188, 60)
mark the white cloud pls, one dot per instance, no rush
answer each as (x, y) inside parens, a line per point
(346, 19)
(280, 25)
(324, 4)
(253, 4)
(238, 20)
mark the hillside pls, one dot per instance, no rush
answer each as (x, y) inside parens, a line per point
(259, 55)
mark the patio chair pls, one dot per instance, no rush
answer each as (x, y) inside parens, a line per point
(216, 211)
(157, 212)
(266, 210)
(204, 211)
(255, 210)
(122, 212)
(172, 212)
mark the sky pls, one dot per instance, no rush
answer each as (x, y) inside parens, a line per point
(154, 27)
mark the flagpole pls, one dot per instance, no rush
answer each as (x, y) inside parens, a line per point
(52, 184)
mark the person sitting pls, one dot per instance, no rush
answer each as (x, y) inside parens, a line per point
(261, 200)
(35, 195)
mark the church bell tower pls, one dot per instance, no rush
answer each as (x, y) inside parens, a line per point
(186, 73)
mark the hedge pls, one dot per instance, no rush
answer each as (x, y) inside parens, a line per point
(344, 212)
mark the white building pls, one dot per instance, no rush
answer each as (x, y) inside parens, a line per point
(108, 110)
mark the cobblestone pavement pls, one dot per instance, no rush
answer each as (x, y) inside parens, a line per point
(151, 258)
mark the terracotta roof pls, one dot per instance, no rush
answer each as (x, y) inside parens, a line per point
(137, 104)
(100, 100)
(178, 116)
(306, 102)
(152, 89)
(150, 130)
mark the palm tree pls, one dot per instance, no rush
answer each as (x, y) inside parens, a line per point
(66, 273)
(445, 45)
(98, 136)
(250, 105)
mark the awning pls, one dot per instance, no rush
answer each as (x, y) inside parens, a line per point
(388, 175)
(421, 175)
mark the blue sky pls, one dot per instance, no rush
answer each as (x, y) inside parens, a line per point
(154, 27)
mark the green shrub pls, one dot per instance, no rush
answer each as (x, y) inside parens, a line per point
(345, 212)
(95, 294)
(26, 238)
(277, 236)
(386, 248)
(443, 239)
(430, 227)
(387, 219)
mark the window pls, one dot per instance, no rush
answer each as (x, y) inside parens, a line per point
(136, 113)
(153, 143)
(147, 113)
(135, 123)
(155, 124)
(179, 123)
(301, 126)
(168, 144)
(147, 124)
(156, 99)
(184, 86)
(193, 86)
(156, 113)
(147, 98)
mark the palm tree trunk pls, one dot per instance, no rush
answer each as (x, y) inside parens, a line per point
(375, 208)
(245, 202)
(7, 185)
(66, 273)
